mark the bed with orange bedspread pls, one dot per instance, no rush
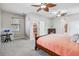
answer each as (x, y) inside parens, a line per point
(60, 44)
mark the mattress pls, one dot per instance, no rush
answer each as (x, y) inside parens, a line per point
(60, 44)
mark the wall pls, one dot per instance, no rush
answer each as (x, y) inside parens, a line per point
(32, 17)
(0, 26)
(73, 24)
(6, 23)
(0, 21)
(56, 23)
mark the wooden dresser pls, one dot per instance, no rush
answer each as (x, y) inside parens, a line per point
(51, 30)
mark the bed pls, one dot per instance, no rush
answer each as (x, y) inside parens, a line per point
(57, 45)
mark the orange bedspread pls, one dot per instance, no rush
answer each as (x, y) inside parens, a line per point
(60, 44)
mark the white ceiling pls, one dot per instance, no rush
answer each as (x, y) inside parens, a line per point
(25, 8)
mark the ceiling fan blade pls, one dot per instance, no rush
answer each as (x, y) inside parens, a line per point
(36, 5)
(38, 9)
(49, 5)
(46, 9)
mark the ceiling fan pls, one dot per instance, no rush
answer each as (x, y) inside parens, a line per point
(44, 6)
(61, 13)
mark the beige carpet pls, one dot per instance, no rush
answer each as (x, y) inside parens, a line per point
(20, 48)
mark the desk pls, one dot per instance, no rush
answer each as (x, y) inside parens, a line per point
(5, 37)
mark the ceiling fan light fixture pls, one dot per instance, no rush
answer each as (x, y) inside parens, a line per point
(58, 15)
(61, 13)
(43, 6)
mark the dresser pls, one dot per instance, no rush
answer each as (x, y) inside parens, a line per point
(51, 30)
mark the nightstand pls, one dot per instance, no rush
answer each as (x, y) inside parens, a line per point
(51, 30)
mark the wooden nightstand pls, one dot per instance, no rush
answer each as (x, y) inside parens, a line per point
(51, 30)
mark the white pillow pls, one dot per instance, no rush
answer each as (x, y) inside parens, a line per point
(75, 37)
(77, 41)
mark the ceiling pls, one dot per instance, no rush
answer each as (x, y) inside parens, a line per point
(25, 8)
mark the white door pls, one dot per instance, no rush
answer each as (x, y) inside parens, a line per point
(42, 28)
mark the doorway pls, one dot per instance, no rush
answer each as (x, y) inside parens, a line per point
(38, 29)
(42, 28)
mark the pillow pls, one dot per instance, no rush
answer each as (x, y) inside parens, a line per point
(77, 41)
(75, 37)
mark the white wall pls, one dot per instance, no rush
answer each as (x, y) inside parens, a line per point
(0, 21)
(56, 23)
(73, 24)
(0, 25)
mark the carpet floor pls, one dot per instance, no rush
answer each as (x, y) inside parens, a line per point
(20, 48)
